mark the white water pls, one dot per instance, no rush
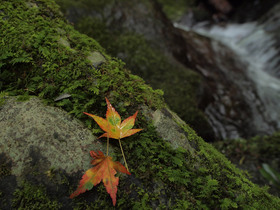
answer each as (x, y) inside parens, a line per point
(254, 45)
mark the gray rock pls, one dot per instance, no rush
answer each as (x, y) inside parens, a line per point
(64, 42)
(31, 130)
(96, 58)
(167, 124)
(62, 96)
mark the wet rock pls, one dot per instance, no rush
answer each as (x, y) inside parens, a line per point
(250, 10)
(233, 10)
(232, 101)
(221, 5)
(243, 60)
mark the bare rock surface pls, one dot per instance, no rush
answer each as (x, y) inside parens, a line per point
(33, 135)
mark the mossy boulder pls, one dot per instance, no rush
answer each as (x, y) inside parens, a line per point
(139, 33)
(172, 168)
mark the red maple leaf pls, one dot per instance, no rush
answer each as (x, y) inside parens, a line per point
(104, 169)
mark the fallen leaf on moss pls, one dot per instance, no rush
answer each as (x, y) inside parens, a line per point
(104, 169)
(112, 124)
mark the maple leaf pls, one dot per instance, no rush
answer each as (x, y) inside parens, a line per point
(112, 124)
(104, 169)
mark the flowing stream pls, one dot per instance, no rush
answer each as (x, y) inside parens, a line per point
(244, 62)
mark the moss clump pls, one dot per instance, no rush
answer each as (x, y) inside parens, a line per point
(3, 96)
(24, 97)
(4, 170)
(28, 196)
(251, 153)
(175, 9)
(260, 147)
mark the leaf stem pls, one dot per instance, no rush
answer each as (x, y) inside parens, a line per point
(123, 155)
(107, 145)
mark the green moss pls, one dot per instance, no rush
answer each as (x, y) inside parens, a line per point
(24, 97)
(175, 9)
(208, 180)
(237, 188)
(28, 196)
(265, 147)
(3, 96)
(161, 176)
(4, 170)
(254, 151)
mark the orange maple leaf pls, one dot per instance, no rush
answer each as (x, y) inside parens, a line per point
(112, 124)
(104, 169)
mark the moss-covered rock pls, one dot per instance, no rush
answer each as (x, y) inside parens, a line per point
(171, 167)
(148, 46)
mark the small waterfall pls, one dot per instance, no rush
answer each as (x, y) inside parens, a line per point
(253, 70)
